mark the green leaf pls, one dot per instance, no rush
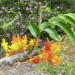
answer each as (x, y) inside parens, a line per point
(47, 9)
(66, 29)
(34, 30)
(72, 15)
(43, 26)
(6, 26)
(56, 18)
(68, 19)
(52, 33)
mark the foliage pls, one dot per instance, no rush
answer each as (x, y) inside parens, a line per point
(29, 14)
(34, 30)
(6, 26)
(41, 28)
(61, 21)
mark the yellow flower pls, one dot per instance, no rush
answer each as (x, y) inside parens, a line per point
(5, 45)
(55, 48)
(56, 60)
(32, 43)
(7, 54)
(14, 47)
(24, 41)
(18, 44)
(25, 47)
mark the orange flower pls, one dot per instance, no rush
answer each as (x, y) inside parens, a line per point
(47, 55)
(50, 55)
(47, 46)
(43, 57)
(15, 39)
(34, 60)
(55, 60)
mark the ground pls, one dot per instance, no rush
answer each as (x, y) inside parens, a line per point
(18, 69)
(24, 68)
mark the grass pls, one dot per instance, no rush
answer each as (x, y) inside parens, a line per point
(63, 69)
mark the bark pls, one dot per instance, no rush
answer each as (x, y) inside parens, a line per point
(14, 58)
(18, 57)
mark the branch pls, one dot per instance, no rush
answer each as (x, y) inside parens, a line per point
(15, 58)
(18, 57)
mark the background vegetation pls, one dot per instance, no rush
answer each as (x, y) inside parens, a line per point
(26, 12)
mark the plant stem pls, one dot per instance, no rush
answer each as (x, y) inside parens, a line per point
(39, 13)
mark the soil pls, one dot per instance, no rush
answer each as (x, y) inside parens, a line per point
(18, 69)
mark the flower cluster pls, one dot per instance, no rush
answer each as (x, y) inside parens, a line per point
(18, 45)
(48, 54)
